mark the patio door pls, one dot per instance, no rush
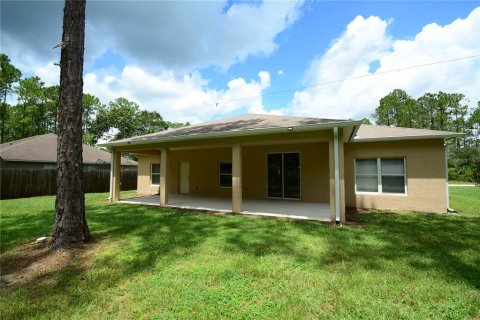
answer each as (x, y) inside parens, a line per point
(184, 179)
(283, 175)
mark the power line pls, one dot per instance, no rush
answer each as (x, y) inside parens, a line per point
(216, 104)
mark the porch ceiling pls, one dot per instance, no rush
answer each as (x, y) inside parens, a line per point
(274, 208)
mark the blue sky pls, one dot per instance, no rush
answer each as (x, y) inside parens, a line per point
(174, 56)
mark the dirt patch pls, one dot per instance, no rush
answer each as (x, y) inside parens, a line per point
(34, 260)
(351, 215)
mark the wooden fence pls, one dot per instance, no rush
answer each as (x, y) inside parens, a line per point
(24, 183)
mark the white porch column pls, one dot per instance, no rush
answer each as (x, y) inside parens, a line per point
(237, 202)
(116, 167)
(163, 177)
(112, 159)
(337, 185)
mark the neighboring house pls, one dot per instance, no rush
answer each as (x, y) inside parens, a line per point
(338, 162)
(40, 152)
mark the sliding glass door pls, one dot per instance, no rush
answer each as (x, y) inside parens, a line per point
(284, 175)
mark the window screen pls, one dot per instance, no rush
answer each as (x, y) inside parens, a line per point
(367, 175)
(155, 174)
(382, 175)
(225, 174)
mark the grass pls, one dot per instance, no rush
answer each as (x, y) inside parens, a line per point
(465, 199)
(152, 263)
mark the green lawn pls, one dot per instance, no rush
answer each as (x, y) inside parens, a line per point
(152, 263)
(465, 199)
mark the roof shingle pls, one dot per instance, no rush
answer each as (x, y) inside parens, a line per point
(234, 124)
(371, 132)
(43, 148)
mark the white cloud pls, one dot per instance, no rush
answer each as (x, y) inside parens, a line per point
(172, 35)
(179, 99)
(366, 43)
(49, 73)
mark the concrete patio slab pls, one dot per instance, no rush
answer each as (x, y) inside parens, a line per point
(291, 209)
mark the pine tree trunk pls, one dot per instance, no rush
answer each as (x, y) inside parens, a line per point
(70, 227)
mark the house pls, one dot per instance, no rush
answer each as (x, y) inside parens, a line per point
(40, 152)
(314, 167)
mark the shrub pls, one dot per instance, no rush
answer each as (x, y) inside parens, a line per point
(476, 172)
(462, 173)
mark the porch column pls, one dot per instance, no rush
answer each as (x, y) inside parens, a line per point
(237, 202)
(116, 167)
(163, 177)
(337, 184)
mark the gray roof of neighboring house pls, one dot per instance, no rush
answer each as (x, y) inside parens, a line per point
(373, 133)
(235, 125)
(43, 148)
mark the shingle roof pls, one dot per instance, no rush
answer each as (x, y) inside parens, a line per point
(43, 148)
(370, 132)
(234, 124)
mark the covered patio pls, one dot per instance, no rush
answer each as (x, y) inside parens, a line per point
(292, 209)
(252, 164)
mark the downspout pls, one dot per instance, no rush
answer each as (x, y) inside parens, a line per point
(446, 178)
(337, 174)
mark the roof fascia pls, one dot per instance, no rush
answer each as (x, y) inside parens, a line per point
(239, 133)
(417, 137)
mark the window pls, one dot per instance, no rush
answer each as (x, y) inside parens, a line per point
(225, 174)
(381, 175)
(155, 174)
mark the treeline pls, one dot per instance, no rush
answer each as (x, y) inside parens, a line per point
(438, 111)
(36, 111)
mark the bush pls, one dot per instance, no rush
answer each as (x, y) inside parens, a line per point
(476, 172)
(462, 173)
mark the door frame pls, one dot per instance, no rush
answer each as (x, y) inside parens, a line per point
(283, 176)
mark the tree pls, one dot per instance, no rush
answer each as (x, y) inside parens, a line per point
(29, 112)
(8, 76)
(427, 111)
(474, 125)
(366, 121)
(91, 108)
(476, 172)
(70, 227)
(124, 119)
(396, 109)
(51, 96)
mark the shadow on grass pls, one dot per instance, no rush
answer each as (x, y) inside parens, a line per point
(144, 235)
(445, 244)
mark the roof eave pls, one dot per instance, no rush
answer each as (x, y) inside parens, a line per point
(416, 137)
(239, 133)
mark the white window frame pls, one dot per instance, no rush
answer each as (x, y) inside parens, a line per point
(220, 174)
(379, 177)
(154, 173)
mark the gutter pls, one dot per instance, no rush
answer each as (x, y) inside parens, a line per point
(419, 137)
(238, 133)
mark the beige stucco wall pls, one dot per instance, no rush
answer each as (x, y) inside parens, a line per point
(424, 164)
(144, 185)
(203, 171)
(204, 176)
(314, 175)
(425, 167)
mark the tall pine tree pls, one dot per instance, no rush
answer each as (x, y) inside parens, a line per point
(70, 227)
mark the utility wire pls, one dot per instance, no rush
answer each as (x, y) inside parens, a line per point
(216, 104)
